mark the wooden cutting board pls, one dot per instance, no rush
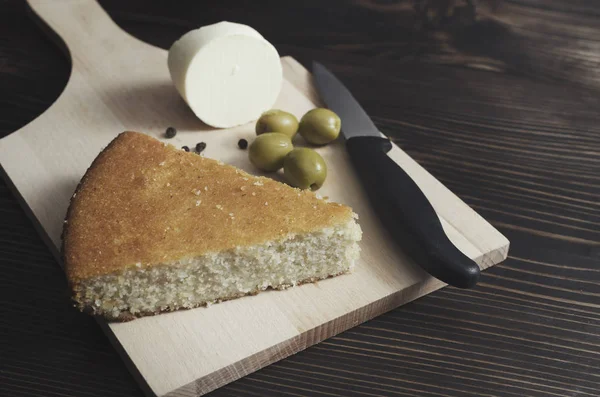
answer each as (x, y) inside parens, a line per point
(119, 83)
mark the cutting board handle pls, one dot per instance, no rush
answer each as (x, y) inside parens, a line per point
(78, 25)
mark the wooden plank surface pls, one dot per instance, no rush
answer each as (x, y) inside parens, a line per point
(495, 337)
(119, 83)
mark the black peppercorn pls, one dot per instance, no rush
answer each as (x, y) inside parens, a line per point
(170, 132)
(200, 146)
(243, 144)
(187, 149)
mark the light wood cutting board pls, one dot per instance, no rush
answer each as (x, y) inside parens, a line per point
(119, 83)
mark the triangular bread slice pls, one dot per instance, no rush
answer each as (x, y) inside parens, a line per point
(152, 228)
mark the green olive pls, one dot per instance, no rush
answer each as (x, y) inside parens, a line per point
(268, 150)
(276, 120)
(304, 168)
(320, 126)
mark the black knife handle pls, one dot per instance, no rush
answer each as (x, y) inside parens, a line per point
(407, 213)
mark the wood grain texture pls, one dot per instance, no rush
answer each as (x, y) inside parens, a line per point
(193, 352)
(531, 326)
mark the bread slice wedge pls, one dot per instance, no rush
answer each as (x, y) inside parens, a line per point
(152, 228)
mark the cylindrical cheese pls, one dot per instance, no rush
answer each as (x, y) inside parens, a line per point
(227, 73)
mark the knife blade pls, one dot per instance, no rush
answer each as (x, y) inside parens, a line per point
(401, 205)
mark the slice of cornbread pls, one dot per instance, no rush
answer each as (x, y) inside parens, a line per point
(152, 228)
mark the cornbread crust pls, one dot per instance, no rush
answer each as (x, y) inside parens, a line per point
(143, 203)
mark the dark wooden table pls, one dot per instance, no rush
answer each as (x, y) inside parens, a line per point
(503, 109)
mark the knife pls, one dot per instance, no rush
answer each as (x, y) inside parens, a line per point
(400, 204)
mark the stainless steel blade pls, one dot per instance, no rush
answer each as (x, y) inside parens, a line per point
(355, 121)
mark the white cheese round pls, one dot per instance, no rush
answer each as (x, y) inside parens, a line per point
(227, 73)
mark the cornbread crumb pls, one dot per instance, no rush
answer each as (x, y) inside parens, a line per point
(198, 203)
(291, 261)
